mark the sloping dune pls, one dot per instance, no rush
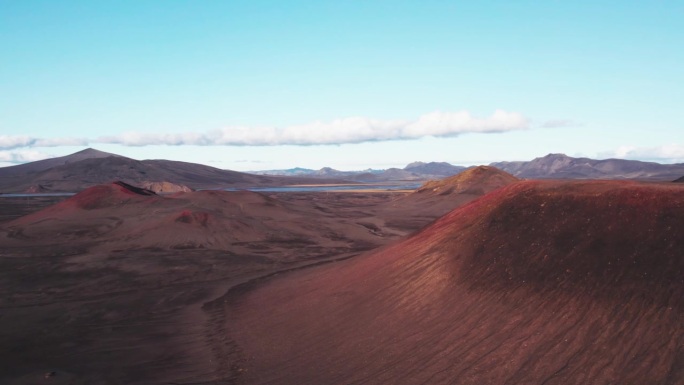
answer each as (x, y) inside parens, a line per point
(536, 283)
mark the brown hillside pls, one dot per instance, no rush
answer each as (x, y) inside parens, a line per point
(536, 283)
(118, 216)
(88, 168)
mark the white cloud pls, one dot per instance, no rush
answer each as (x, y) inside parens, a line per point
(10, 142)
(58, 142)
(671, 153)
(442, 124)
(348, 130)
(142, 139)
(339, 131)
(22, 156)
(559, 123)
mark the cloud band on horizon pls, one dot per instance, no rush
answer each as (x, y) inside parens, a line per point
(350, 130)
(10, 142)
(340, 131)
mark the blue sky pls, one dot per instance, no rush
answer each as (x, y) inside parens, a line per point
(250, 85)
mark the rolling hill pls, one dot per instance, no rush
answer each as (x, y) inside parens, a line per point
(536, 283)
(119, 216)
(90, 167)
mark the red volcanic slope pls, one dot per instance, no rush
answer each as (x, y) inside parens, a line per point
(103, 196)
(536, 283)
(118, 216)
(477, 180)
(106, 195)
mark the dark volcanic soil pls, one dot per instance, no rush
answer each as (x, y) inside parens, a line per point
(15, 207)
(119, 286)
(537, 283)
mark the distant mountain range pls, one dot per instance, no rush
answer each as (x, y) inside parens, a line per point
(561, 166)
(551, 166)
(90, 167)
(413, 171)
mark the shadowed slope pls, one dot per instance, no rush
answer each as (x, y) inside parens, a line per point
(536, 283)
(679, 180)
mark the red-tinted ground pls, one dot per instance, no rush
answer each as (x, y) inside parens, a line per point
(117, 217)
(119, 286)
(538, 283)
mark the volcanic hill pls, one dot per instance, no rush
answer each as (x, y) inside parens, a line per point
(436, 198)
(91, 167)
(475, 181)
(119, 216)
(536, 283)
(45, 164)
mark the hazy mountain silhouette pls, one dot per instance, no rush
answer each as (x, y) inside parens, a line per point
(40, 165)
(560, 166)
(434, 168)
(91, 167)
(413, 171)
